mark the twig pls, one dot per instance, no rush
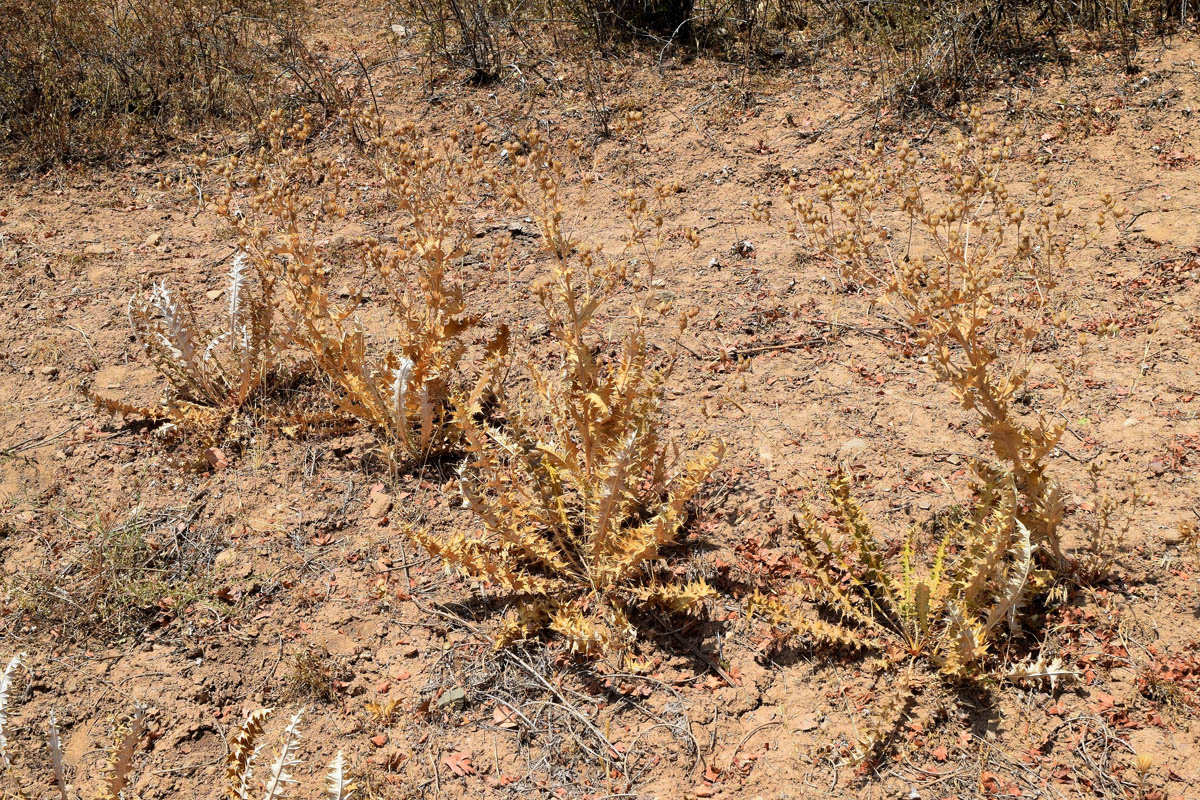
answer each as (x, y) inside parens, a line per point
(566, 704)
(811, 341)
(34, 442)
(746, 738)
(437, 778)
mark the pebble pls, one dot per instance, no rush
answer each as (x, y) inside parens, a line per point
(379, 503)
(851, 448)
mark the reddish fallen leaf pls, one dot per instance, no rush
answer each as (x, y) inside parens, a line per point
(216, 459)
(1104, 701)
(380, 740)
(459, 763)
(940, 753)
(504, 717)
(990, 782)
(227, 594)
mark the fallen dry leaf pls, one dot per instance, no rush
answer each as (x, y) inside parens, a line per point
(458, 762)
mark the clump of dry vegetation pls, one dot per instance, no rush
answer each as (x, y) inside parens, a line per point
(116, 773)
(402, 379)
(78, 77)
(219, 379)
(113, 581)
(580, 494)
(922, 54)
(313, 676)
(949, 264)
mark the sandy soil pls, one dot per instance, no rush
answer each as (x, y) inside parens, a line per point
(295, 547)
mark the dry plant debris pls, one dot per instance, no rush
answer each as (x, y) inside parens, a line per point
(407, 388)
(579, 492)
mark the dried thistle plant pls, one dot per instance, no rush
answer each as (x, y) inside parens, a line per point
(950, 609)
(119, 763)
(213, 375)
(579, 492)
(115, 771)
(952, 269)
(245, 747)
(403, 382)
(5, 688)
(956, 610)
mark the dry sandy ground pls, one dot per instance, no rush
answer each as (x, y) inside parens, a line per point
(295, 543)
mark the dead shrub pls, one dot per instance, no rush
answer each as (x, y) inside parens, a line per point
(401, 377)
(470, 34)
(949, 264)
(581, 496)
(608, 20)
(79, 77)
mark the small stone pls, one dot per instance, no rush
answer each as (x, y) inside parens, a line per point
(96, 250)
(154, 240)
(1157, 467)
(49, 371)
(379, 502)
(744, 249)
(452, 697)
(213, 294)
(808, 722)
(232, 564)
(380, 740)
(852, 448)
(1129, 423)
